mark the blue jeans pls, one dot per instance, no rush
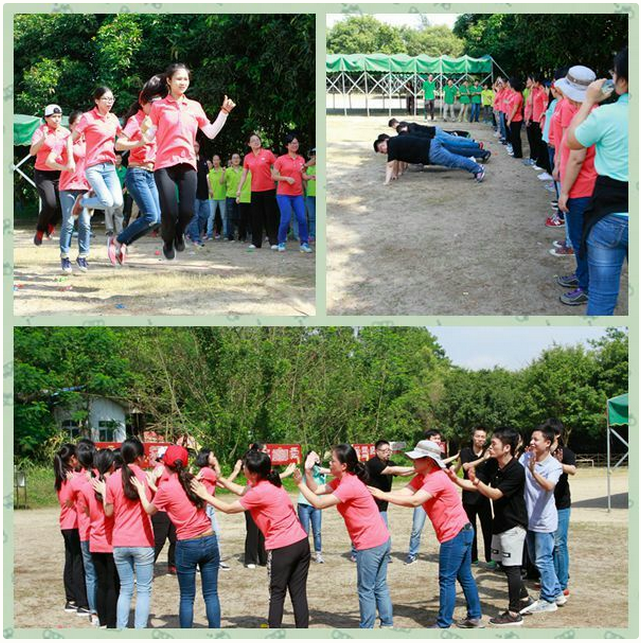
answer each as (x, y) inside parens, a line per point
(607, 248)
(574, 223)
(190, 554)
(142, 187)
(91, 580)
(539, 548)
(198, 223)
(440, 156)
(307, 514)
(211, 512)
(215, 204)
(287, 204)
(503, 126)
(310, 202)
(106, 184)
(128, 560)
(455, 563)
(232, 218)
(551, 154)
(67, 199)
(458, 144)
(418, 522)
(373, 594)
(561, 553)
(475, 112)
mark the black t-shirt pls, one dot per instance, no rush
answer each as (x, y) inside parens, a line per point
(509, 511)
(562, 489)
(417, 129)
(472, 497)
(202, 191)
(382, 481)
(408, 148)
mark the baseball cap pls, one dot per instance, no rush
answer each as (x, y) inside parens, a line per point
(52, 109)
(175, 453)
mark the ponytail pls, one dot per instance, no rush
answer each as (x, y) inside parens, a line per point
(103, 461)
(61, 464)
(155, 86)
(346, 454)
(131, 450)
(260, 463)
(185, 478)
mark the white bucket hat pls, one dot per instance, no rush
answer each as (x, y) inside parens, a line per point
(426, 449)
(576, 82)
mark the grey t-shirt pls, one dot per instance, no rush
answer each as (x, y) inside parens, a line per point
(541, 508)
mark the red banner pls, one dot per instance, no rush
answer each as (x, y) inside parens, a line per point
(364, 451)
(284, 453)
(151, 450)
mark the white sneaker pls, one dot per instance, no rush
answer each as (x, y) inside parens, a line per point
(319, 557)
(250, 566)
(561, 599)
(539, 607)
(274, 247)
(545, 177)
(251, 246)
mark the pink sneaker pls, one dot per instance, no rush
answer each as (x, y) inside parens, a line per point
(554, 222)
(112, 251)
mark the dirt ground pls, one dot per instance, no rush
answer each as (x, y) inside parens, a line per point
(222, 278)
(598, 569)
(436, 242)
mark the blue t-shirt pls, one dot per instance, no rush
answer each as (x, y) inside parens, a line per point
(548, 120)
(540, 504)
(319, 479)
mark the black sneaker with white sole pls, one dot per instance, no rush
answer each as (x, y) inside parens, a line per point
(70, 606)
(506, 620)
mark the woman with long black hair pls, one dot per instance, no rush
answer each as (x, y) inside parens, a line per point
(133, 535)
(196, 545)
(285, 540)
(64, 465)
(365, 525)
(174, 122)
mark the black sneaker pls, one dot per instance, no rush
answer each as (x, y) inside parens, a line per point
(83, 611)
(526, 602)
(70, 606)
(507, 620)
(471, 623)
(168, 251)
(179, 243)
(575, 297)
(567, 281)
(37, 239)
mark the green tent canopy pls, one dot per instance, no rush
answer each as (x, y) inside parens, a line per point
(401, 63)
(618, 410)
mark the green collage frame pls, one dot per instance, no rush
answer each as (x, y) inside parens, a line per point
(320, 318)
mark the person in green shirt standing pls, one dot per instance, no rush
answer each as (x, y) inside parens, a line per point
(429, 90)
(475, 92)
(487, 101)
(464, 98)
(450, 93)
(230, 178)
(244, 202)
(310, 194)
(217, 200)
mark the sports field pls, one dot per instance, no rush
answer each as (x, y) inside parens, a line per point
(598, 544)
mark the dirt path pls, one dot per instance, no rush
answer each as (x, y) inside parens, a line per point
(222, 278)
(598, 590)
(436, 242)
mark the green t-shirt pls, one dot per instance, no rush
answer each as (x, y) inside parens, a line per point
(487, 96)
(246, 192)
(449, 94)
(214, 179)
(476, 94)
(428, 88)
(232, 179)
(121, 172)
(464, 95)
(311, 184)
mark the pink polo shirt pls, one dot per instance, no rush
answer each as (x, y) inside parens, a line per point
(54, 140)
(132, 524)
(79, 483)
(584, 183)
(74, 180)
(445, 507)
(183, 513)
(498, 100)
(177, 123)
(273, 512)
(100, 132)
(285, 165)
(68, 515)
(539, 104)
(515, 99)
(556, 131)
(101, 534)
(528, 106)
(208, 477)
(139, 155)
(260, 167)
(363, 520)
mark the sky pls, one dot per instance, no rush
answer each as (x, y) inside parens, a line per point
(509, 347)
(401, 19)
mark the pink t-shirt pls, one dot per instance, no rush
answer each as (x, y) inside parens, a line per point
(177, 123)
(54, 140)
(139, 155)
(556, 131)
(584, 184)
(68, 515)
(515, 99)
(498, 100)
(101, 532)
(260, 167)
(74, 180)
(363, 520)
(208, 477)
(79, 483)
(539, 104)
(273, 513)
(285, 165)
(132, 524)
(186, 517)
(445, 507)
(100, 132)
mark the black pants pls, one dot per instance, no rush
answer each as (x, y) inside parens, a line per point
(288, 567)
(164, 529)
(515, 587)
(430, 104)
(255, 553)
(74, 572)
(265, 216)
(245, 221)
(108, 588)
(483, 510)
(126, 208)
(515, 139)
(534, 140)
(218, 219)
(50, 210)
(177, 211)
